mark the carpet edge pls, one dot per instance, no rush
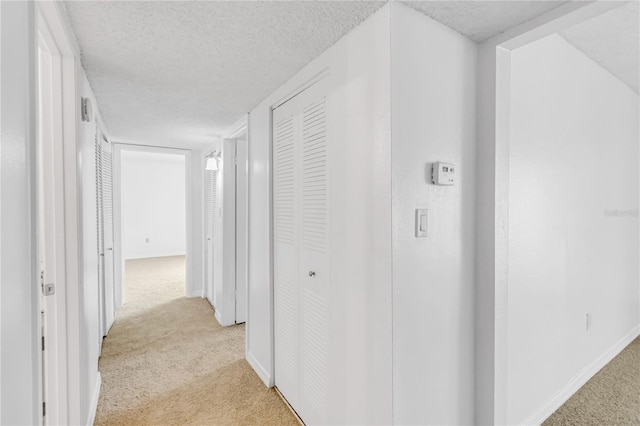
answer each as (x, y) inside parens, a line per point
(579, 380)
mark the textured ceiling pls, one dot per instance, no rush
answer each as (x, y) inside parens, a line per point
(613, 41)
(481, 20)
(178, 73)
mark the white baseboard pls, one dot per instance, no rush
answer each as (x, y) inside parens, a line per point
(218, 317)
(580, 379)
(260, 370)
(195, 293)
(154, 254)
(94, 401)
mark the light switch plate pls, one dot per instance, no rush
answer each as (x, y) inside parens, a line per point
(422, 223)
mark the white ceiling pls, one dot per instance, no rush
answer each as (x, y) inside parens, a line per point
(481, 20)
(612, 40)
(180, 73)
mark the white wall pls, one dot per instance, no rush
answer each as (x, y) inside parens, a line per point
(153, 204)
(88, 297)
(433, 72)
(360, 212)
(196, 235)
(573, 156)
(19, 291)
(224, 265)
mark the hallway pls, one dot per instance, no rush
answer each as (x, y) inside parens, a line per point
(167, 361)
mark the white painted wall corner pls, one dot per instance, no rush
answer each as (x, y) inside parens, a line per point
(580, 379)
(260, 370)
(93, 408)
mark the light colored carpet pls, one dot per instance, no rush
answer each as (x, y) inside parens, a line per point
(611, 397)
(166, 361)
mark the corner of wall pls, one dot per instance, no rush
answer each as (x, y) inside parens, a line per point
(93, 408)
(260, 370)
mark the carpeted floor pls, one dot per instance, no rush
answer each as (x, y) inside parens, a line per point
(611, 397)
(166, 361)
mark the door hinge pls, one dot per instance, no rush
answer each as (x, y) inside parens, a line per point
(44, 409)
(43, 343)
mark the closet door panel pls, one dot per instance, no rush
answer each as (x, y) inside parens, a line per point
(108, 241)
(301, 262)
(314, 262)
(286, 247)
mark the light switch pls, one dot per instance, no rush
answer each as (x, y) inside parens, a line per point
(422, 222)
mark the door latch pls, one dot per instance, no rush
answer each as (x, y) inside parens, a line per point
(49, 289)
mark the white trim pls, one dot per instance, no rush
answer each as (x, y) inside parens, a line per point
(120, 289)
(301, 88)
(51, 241)
(218, 316)
(93, 408)
(239, 128)
(247, 353)
(68, 342)
(0, 223)
(260, 370)
(158, 254)
(194, 293)
(579, 380)
(242, 223)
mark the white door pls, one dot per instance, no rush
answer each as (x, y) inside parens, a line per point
(50, 230)
(301, 264)
(211, 196)
(241, 230)
(105, 224)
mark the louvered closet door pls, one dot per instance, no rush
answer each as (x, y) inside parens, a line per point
(100, 231)
(301, 262)
(108, 234)
(211, 226)
(285, 232)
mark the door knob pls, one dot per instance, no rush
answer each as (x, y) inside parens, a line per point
(312, 274)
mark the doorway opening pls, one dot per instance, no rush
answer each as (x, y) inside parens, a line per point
(226, 194)
(153, 227)
(555, 93)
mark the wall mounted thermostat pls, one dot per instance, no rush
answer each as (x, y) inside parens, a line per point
(443, 173)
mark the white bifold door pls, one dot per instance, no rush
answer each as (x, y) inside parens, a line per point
(301, 261)
(106, 273)
(212, 213)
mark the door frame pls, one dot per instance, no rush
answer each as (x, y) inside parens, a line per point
(324, 73)
(192, 274)
(52, 25)
(241, 132)
(105, 321)
(50, 210)
(494, 76)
